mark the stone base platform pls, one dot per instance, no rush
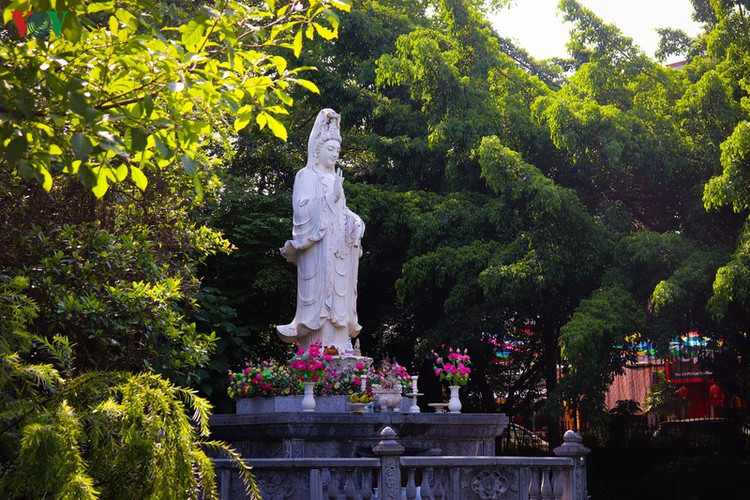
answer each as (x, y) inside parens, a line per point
(348, 435)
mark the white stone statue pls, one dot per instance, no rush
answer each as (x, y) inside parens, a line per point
(325, 246)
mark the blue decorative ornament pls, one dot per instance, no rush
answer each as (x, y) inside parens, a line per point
(39, 24)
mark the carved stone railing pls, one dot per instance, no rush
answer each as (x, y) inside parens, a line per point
(395, 477)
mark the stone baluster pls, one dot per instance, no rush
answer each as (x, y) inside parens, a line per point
(367, 484)
(572, 446)
(439, 490)
(411, 486)
(388, 450)
(535, 487)
(316, 485)
(454, 486)
(558, 483)
(349, 488)
(425, 490)
(333, 484)
(225, 486)
(546, 490)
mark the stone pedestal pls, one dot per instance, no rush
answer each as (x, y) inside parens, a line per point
(349, 435)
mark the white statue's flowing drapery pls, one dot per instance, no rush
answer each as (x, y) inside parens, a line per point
(325, 246)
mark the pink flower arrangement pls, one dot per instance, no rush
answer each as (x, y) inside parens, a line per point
(454, 368)
(391, 375)
(310, 365)
(258, 379)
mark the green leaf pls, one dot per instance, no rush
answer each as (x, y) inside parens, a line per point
(189, 164)
(325, 33)
(164, 151)
(99, 7)
(26, 171)
(121, 172)
(25, 102)
(81, 145)
(16, 149)
(43, 176)
(140, 180)
(78, 104)
(72, 28)
(297, 44)
(244, 115)
(87, 176)
(198, 188)
(276, 127)
(101, 185)
(284, 97)
(148, 105)
(280, 64)
(308, 85)
(344, 5)
(278, 110)
(192, 34)
(114, 25)
(136, 139)
(261, 120)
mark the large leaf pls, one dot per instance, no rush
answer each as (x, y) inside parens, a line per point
(82, 146)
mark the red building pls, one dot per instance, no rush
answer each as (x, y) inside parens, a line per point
(684, 367)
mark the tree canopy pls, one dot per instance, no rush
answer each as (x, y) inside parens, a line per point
(554, 213)
(549, 208)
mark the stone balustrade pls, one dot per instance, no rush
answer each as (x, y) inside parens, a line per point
(393, 476)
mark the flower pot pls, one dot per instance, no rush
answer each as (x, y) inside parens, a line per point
(308, 401)
(454, 404)
(387, 399)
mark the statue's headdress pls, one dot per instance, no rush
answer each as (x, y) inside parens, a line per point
(326, 128)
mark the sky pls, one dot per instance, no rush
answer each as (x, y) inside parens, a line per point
(538, 27)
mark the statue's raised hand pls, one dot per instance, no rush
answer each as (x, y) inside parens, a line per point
(338, 185)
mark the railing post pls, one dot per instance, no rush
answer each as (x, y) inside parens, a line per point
(572, 447)
(388, 450)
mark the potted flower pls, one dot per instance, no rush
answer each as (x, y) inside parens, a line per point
(309, 366)
(261, 386)
(392, 381)
(454, 369)
(262, 379)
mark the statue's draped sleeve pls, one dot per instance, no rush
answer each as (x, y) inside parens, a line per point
(307, 204)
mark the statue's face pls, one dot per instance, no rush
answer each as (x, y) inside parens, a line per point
(329, 153)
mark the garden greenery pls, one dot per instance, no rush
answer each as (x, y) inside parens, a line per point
(111, 135)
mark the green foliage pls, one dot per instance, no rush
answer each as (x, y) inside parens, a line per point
(662, 398)
(732, 282)
(101, 434)
(672, 42)
(499, 194)
(466, 87)
(587, 342)
(152, 92)
(123, 122)
(708, 112)
(690, 284)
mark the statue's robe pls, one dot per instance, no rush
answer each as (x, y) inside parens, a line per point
(325, 246)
